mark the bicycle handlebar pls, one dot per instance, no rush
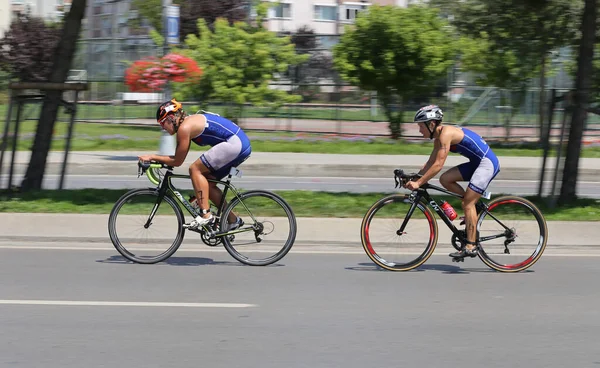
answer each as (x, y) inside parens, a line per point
(401, 178)
(145, 165)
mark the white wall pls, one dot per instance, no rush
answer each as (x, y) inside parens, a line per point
(302, 13)
(4, 16)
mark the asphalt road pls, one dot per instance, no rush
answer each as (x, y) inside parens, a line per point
(331, 184)
(80, 305)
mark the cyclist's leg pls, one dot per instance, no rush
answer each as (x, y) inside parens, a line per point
(220, 159)
(198, 171)
(468, 205)
(450, 179)
(482, 177)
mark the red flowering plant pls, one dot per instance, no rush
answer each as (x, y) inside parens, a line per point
(153, 74)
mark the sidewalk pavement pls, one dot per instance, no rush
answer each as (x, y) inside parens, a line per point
(296, 164)
(315, 232)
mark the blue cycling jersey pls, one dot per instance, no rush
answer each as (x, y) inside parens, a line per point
(473, 147)
(483, 165)
(217, 130)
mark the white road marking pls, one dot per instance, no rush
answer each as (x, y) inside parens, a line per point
(124, 304)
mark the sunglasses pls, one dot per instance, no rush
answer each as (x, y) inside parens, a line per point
(168, 118)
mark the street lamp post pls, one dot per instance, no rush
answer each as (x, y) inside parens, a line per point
(167, 142)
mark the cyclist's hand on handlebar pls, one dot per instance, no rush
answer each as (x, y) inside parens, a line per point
(145, 158)
(411, 185)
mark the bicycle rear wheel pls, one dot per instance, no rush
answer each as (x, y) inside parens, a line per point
(392, 246)
(513, 234)
(133, 238)
(269, 229)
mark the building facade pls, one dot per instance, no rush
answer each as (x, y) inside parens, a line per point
(110, 39)
(47, 9)
(325, 17)
(4, 16)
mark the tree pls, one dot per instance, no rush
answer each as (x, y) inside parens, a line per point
(192, 10)
(579, 101)
(239, 63)
(318, 66)
(518, 36)
(62, 58)
(398, 53)
(27, 47)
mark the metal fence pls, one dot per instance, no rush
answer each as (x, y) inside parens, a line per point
(327, 104)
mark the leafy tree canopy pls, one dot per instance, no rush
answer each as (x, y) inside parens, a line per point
(192, 10)
(27, 48)
(397, 52)
(240, 61)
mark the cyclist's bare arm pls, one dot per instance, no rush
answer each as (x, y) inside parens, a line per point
(441, 149)
(183, 146)
(430, 162)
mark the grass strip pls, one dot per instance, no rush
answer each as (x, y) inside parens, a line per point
(304, 203)
(112, 137)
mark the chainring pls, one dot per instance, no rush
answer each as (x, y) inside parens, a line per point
(456, 243)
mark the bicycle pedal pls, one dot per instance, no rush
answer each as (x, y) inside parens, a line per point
(458, 259)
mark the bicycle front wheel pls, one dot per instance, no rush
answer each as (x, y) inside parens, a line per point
(269, 229)
(143, 232)
(398, 235)
(513, 234)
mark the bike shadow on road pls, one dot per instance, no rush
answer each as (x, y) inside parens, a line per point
(175, 261)
(443, 268)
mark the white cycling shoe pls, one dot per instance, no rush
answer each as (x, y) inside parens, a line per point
(199, 222)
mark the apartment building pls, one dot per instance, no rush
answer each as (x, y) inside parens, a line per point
(4, 16)
(323, 16)
(110, 40)
(47, 9)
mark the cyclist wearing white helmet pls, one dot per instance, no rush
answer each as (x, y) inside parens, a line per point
(229, 147)
(482, 168)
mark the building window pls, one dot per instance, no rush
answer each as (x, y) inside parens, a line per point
(351, 14)
(325, 12)
(351, 10)
(282, 10)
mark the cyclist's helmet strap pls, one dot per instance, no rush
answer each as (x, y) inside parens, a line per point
(427, 114)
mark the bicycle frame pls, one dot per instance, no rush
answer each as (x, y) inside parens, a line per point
(166, 186)
(421, 193)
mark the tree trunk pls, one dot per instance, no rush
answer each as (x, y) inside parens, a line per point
(542, 103)
(583, 79)
(395, 119)
(63, 56)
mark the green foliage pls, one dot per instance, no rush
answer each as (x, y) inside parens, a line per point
(150, 10)
(4, 93)
(239, 62)
(157, 38)
(509, 40)
(397, 52)
(190, 11)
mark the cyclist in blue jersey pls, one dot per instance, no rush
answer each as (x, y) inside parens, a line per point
(479, 171)
(229, 147)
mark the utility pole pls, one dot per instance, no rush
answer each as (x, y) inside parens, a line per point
(167, 142)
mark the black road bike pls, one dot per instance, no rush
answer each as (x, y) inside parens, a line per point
(146, 225)
(400, 232)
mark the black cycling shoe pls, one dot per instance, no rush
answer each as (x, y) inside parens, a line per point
(464, 253)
